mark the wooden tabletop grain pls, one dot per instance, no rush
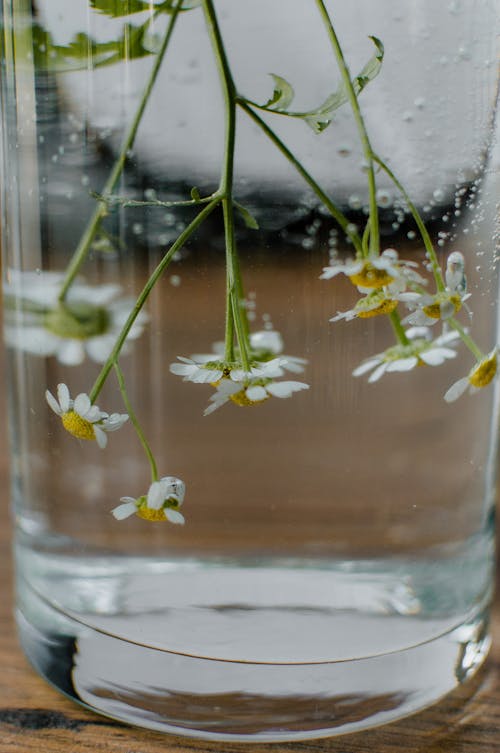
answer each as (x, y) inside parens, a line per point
(35, 717)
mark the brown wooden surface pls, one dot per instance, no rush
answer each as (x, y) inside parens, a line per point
(34, 717)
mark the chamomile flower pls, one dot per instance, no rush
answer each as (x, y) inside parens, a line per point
(87, 323)
(81, 418)
(374, 272)
(428, 309)
(479, 376)
(376, 303)
(162, 502)
(207, 369)
(252, 392)
(420, 350)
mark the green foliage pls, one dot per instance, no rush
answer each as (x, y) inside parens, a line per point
(246, 216)
(320, 117)
(120, 8)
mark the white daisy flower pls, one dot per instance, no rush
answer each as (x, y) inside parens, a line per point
(162, 502)
(86, 324)
(455, 273)
(205, 369)
(267, 343)
(83, 419)
(376, 304)
(479, 376)
(421, 350)
(376, 271)
(252, 392)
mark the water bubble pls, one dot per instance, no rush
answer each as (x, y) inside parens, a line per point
(407, 116)
(85, 180)
(438, 194)
(73, 138)
(384, 198)
(307, 243)
(354, 201)
(150, 194)
(351, 227)
(411, 234)
(41, 139)
(137, 228)
(419, 103)
(169, 219)
(175, 280)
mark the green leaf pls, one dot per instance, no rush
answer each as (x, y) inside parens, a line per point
(83, 52)
(246, 216)
(118, 8)
(195, 194)
(283, 95)
(320, 117)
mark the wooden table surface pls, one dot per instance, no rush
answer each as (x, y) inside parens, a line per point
(34, 717)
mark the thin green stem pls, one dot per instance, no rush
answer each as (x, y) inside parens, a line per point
(234, 281)
(365, 141)
(466, 339)
(83, 247)
(141, 300)
(398, 328)
(113, 200)
(337, 215)
(431, 254)
(135, 422)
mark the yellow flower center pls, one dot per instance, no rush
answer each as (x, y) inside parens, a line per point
(240, 398)
(433, 310)
(371, 277)
(385, 306)
(77, 425)
(146, 513)
(484, 372)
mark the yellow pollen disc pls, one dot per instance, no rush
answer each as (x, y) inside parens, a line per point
(370, 277)
(148, 514)
(77, 425)
(484, 373)
(386, 306)
(240, 398)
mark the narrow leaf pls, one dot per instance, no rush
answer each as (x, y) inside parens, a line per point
(118, 8)
(246, 216)
(283, 95)
(195, 194)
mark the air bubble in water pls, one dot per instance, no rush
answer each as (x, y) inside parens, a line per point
(354, 201)
(137, 228)
(419, 103)
(411, 235)
(438, 194)
(344, 150)
(175, 280)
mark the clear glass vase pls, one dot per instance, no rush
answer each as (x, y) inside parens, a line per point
(257, 500)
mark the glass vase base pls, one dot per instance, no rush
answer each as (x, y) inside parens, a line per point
(218, 697)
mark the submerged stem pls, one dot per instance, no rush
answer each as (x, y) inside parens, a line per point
(135, 422)
(100, 211)
(183, 237)
(363, 134)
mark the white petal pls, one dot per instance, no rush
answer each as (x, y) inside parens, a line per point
(128, 499)
(99, 348)
(365, 366)
(174, 516)
(63, 397)
(124, 511)
(402, 364)
(97, 295)
(115, 421)
(256, 393)
(82, 404)
(182, 369)
(446, 337)
(269, 340)
(379, 371)
(156, 496)
(94, 414)
(205, 376)
(240, 375)
(285, 389)
(53, 402)
(175, 487)
(36, 340)
(456, 390)
(100, 436)
(71, 352)
(436, 356)
(416, 332)
(295, 364)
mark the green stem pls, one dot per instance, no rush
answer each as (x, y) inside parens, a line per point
(83, 247)
(398, 328)
(234, 282)
(135, 422)
(141, 300)
(466, 339)
(337, 215)
(365, 141)
(431, 254)
(113, 200)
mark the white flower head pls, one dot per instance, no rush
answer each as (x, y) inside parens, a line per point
(162, 502)
(207, 369)
(420, 350)
(482, 374)
(377, 303)
(252, 392)
(81, 418)
(87, 323)
(376, 272)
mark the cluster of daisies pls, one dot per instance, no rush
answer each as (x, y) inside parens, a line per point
(244, 387)
(386, 281)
